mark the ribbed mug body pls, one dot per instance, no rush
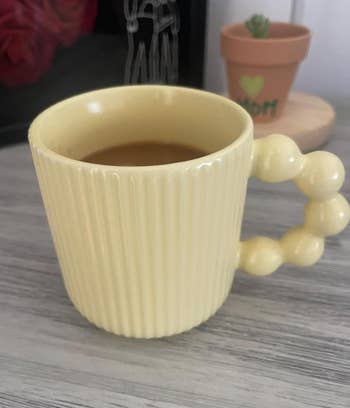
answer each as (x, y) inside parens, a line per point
(144, 251)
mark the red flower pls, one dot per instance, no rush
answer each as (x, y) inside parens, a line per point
(68, 18)
(26, 48)
(30, 31)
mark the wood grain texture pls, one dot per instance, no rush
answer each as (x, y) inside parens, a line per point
(281, 341)
(307, 119)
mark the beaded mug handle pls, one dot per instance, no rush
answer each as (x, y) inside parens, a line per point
(319, 175)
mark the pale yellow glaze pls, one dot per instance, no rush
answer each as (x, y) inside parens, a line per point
(319, 175)
(152, 251)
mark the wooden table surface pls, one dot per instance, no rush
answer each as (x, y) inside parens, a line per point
(280, 341)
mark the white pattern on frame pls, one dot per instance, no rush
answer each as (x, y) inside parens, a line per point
(152, 29)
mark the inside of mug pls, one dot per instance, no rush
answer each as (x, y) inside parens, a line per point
(82, 125)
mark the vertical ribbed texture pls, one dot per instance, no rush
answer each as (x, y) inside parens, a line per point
(146, 254)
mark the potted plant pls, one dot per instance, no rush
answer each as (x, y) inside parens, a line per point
(262, 59)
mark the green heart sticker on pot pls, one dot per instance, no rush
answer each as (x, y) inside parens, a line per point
(252, 86)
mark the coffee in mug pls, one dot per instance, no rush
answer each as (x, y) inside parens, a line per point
(144, 154)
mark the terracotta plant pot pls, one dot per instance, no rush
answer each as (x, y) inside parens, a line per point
(261, 71)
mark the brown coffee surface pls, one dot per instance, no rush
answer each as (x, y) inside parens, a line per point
(144, 154)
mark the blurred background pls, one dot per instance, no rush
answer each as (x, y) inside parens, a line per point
(325, 71)
(52, 49)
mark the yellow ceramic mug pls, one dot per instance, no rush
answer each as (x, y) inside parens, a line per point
(151, 251)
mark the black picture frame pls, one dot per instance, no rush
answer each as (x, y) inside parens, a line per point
(192, 43)
(192, 16)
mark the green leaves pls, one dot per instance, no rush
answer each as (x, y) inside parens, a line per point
(258, 25)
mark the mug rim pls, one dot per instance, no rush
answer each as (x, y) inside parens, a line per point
(36, 142)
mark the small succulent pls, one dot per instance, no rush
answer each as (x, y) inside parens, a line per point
(258, 25)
